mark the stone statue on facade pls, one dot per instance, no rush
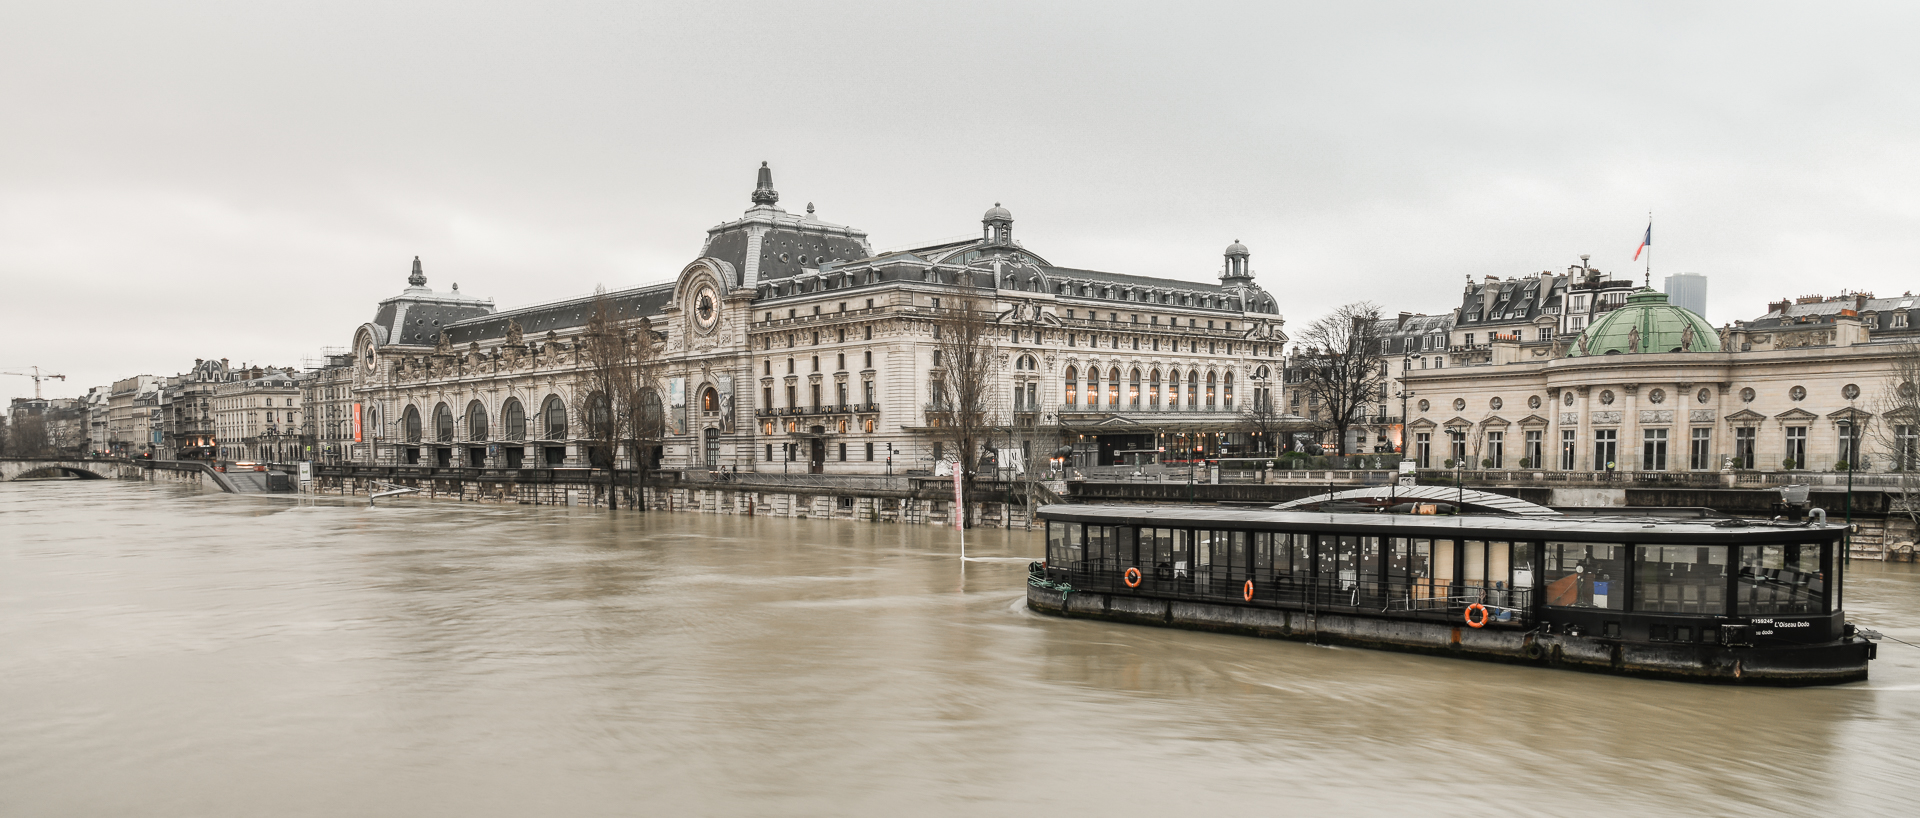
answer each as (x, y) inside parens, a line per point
(1581, 339)
(1633, 339)
(514, 334)
(1686, 339)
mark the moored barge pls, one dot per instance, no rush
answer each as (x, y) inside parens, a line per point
(1709, 600)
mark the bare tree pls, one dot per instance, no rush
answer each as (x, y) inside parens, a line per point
(965, 381)
(1898, 432)
(27, 437)
(1261, 420)
(619, 375)
(1338, 368)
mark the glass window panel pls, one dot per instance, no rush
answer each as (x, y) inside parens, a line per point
(1443, 568)
(1075, 547)
(1237, 553)
(1585, 575)
(1129, 555)
(1781, 579)
(1056, 543)
(1683, 579)
(1180, 567)
(1302, 556)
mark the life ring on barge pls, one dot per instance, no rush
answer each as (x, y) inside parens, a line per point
(1476, 623)
(1247, 590)
(1131, 577)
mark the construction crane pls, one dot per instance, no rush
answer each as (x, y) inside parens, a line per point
(37, 378)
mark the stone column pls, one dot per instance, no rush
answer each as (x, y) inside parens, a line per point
(1629, 454)
(1583, 437)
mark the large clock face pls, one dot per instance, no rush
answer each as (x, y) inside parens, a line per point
(706, 307)
(366, 354)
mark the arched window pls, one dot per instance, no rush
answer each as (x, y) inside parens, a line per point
(709, 400)
(410, 424)
(443, 424)
(1227, 396)
(1153, 390)
(476, 421)
(713, 448)
(513, 420)
(599, 416)
(553, 418)
(1073, 387)
(1093, 386)
(653, 416)
(1193, 388)
(1133, 390)
(1113, 387)
(1210, 382)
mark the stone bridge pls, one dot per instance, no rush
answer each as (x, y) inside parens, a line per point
(15, 468)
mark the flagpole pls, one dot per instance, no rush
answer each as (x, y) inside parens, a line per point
(1649, 273)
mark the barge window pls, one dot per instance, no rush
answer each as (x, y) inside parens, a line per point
(1203, 546)
(1302, 563)
(1237, 556)
(1074, 551)
(1687, 579)
(1585, 575)
(1781, 579)
(1100, 540)
(1369, 567)
(1128, 555)
(1263, 553)
(1057, 544)
(1443, 569)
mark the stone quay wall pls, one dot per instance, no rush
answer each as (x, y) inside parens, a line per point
(916, 506)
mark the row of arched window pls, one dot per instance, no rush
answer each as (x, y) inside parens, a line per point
(549, 424)
(1212, 391)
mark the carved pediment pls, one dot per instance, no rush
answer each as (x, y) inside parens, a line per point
(1746, 416)
(1496, 420)
(1795, 414)
(1458, 422)
(1850, 413)
(1422, 423)
(1533, 420)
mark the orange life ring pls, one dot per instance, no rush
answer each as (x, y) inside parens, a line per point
(1476, 623)
(1132, 577)
(1247, 590)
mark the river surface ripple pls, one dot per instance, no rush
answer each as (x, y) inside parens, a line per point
(167, 651)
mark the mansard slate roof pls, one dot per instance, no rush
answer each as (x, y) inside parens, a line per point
(1825, 311)
(1515, 300)
(423, 320)
(538, 320)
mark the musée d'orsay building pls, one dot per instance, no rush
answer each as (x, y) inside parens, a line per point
(789, 345)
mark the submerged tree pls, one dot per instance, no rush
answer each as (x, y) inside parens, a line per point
(619, 376)
(1337, 367)
(964, 384)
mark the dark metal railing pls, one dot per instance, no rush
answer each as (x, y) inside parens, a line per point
(1407, 598)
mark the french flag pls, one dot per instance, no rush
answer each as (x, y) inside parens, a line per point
(1644, 243)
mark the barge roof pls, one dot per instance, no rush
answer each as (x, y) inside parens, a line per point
(1621, 528)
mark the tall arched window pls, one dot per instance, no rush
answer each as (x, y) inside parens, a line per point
(513, 420)
(553, 418)
(1073, 387)
(1093, 386)
(410, 424)
(476, 421)
(653, 416)
(1228, 397)
(1193, 388)
(443, 423)
(1153, 390)
(1210, 382)
(599, 416)
(709, 400)
(1133, 389)
(1113, 387)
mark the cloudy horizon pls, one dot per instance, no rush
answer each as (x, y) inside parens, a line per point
(244, 181)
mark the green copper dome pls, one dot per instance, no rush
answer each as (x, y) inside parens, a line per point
(1647, 323)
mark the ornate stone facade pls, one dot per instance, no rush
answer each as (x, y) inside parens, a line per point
(788, 345)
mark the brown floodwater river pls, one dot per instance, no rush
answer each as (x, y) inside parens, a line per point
(166, 651)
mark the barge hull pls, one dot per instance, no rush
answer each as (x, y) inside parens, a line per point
(1832, 663)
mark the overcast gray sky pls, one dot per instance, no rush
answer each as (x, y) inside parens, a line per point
(246, 180)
